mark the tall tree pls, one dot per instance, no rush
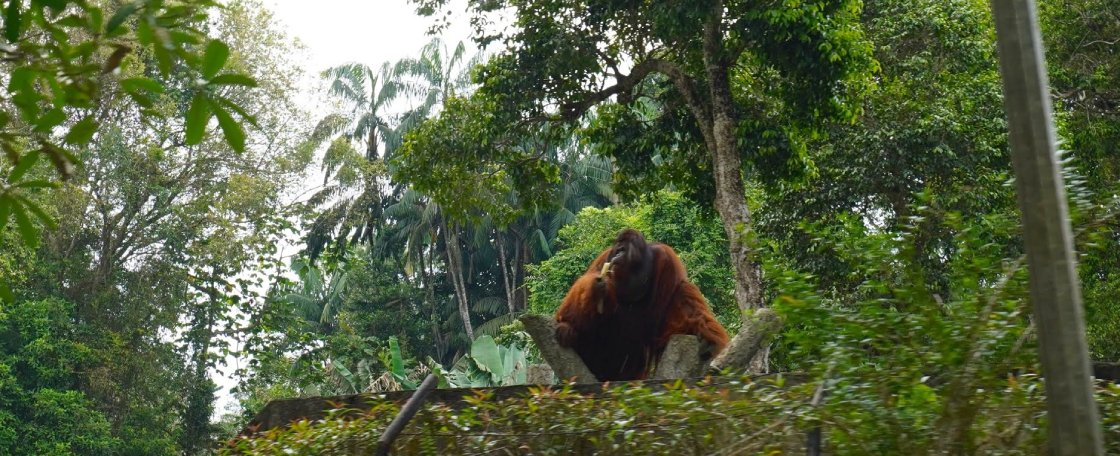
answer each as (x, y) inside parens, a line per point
(159, 237)
(73, 56)
(932, 133)
(413, 226)
(731, 68)
(439, 73)
(354, 197)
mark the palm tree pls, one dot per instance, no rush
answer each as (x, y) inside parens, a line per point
(367, 94)
(421, 236)
(434, 77)
(352, 180)
(438, 74)
(320, 292)
(413, 229)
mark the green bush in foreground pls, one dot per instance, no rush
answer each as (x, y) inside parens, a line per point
(723, 416)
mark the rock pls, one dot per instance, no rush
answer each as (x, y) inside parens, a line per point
(564, 361)
(681, 359)
(539, 374)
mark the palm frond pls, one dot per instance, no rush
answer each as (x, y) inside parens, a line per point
(322, 196)
(389, 91)
(329, 127)
(306, 307)
(492, 305)
(542, 243)
(494, 325)
(348, 82)
(561, 217)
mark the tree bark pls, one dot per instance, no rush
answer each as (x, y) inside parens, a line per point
(427, 271)
(455, 269)
(506, 279)
(753, 337)
(730, 198)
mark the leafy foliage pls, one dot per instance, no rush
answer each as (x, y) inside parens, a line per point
(67, 46)
(161, 238)
(727, 416)
(863, 140)
(489, 364)
(1080, 41)
(41, 414)
(620, 420)
(932, 134)
(948, 346)
(469, 142)
(665, 217)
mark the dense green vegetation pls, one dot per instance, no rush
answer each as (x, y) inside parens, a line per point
(845, 163)
(744, 417)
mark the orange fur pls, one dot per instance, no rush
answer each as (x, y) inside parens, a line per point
(624, 340)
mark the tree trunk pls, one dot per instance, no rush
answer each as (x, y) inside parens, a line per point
(439, 340)
(197, 431)
(519, 293)
(730, 199)
(455, 269)
(519, 276)
(371, 144)
(506, 279)
(722, 144)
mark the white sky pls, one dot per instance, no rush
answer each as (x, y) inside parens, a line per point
(341, 31)
(369, 31)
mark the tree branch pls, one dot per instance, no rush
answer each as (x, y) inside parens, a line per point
(681, 80)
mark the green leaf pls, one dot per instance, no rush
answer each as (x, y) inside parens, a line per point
(395, 353)
(42, 215)
(96, 17)
(245, 116)
(27, 230)
(484, 351)
(50, 120)
(144, 33)
(139, 88)
(12, 21)
(346, 374)
(197, 117)
(162, 49)
(25, 163)
(182, 37)
(215, 58)
(120, 16)
(81, 132)
(39, 183)
(6, 203)
(141, 99)
(235, 135)
(73, 21)
(141, 83)
(234, 79)
(6, 293)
